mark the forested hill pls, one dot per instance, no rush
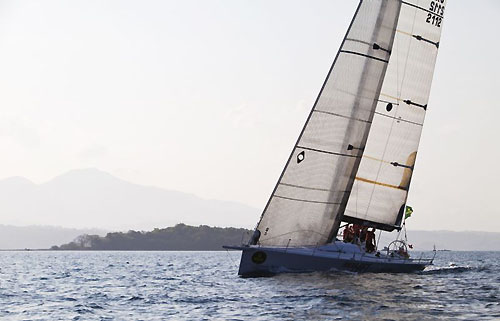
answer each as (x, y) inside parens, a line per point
(178, 238)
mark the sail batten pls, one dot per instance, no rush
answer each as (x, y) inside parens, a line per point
(363, 55)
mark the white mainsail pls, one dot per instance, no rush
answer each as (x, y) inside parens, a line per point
(350, 137)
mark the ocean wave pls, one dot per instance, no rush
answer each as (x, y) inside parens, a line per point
(448, 270)
(100, 289)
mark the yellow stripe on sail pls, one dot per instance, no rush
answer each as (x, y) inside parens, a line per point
(379, 183)
(404, 32)
(389, 96)
(376, 159)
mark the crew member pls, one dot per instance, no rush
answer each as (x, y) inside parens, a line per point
(370, 240)
(348, 234)
(362, 234)
(356, 231)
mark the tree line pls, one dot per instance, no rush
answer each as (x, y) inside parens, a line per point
(180, 237)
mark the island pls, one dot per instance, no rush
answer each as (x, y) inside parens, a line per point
(180, 237)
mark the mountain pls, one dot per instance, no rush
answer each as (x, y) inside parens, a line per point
(93, 198)
(39, 237)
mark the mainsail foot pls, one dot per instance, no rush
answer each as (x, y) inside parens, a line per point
(259, 261)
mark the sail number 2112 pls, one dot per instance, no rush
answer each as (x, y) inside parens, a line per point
(436, 9)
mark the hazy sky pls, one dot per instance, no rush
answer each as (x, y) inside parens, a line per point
(209, 96)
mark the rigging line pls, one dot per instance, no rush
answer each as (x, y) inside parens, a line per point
(288, 233)
(363, 97)
(418, 7)
(231, 259)
(398, 85)
(335, 114)
(405, 64)
(368, 98)
(378, 240)
(399, 233)
(309, 188)
(302, 200)
(399, 119)
(357, 193)
(386, 102)
(364, 55)
(327, 152)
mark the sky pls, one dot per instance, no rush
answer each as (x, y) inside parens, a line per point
(209, 96)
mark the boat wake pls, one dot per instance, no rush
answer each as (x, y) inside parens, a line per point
(449, 270)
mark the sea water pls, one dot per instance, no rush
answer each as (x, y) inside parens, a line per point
(204, 286)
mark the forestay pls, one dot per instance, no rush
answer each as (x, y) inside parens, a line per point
(381, 186)
(314, 188)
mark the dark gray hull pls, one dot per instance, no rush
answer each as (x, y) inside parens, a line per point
(257, 262)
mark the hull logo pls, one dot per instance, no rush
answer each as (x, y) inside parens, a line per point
(259, 257)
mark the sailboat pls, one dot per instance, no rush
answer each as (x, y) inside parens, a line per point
(353, 162)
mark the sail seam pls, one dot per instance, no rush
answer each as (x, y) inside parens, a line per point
(327, 152)
(387, 102)
(334, 114)
(305, 187)
(358, 41)
(302, 200)
(418, 7)
(364, 55)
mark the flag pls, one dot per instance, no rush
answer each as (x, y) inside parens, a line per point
(408, 212)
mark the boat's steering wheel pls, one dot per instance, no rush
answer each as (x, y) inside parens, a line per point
(395, 248)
